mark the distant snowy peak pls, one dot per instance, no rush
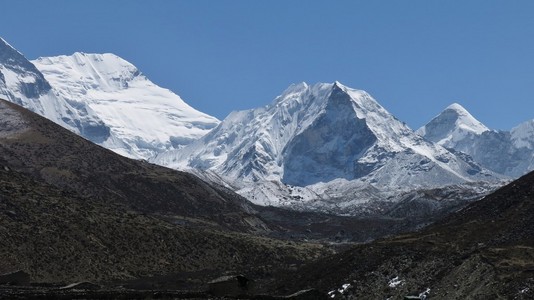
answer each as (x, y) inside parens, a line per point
(452, 125)
(309, 102)
(144, 119)
(523, 135)
(465, 120)
(510, 153)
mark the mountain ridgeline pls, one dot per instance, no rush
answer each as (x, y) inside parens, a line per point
(31, 83)
(322, 142)
(510, 153)
(321, 147)
(74, 206)
(485, 251)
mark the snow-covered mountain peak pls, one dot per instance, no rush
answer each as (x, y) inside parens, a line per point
(458, 108)
(523, 135)
(453, 124)
(465, 120)
(106, 72)
(313, 136)
(319, 95)
(144, 119)
(104, 98)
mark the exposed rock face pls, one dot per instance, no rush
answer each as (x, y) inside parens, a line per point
(330, 147)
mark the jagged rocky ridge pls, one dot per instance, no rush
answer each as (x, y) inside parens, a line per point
(309, 149)
(322, 142)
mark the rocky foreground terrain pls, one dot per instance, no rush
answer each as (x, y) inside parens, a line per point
(485, 251)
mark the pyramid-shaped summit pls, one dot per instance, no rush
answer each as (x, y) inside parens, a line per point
(510, 153)
(317, 134)
(454, 123)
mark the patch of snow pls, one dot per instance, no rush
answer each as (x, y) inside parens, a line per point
(342, 290)
(424, 295)
(394, 282)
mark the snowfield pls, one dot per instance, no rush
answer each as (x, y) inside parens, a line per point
(143, 118)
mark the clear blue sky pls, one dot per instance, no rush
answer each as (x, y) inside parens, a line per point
(415, 57)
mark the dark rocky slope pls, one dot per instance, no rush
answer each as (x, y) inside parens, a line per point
(49, 153)
(485, 251)
(73, 211)
(57, 236)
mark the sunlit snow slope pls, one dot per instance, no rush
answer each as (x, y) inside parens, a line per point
(103, 98)
(144, 119)
(22, 83)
